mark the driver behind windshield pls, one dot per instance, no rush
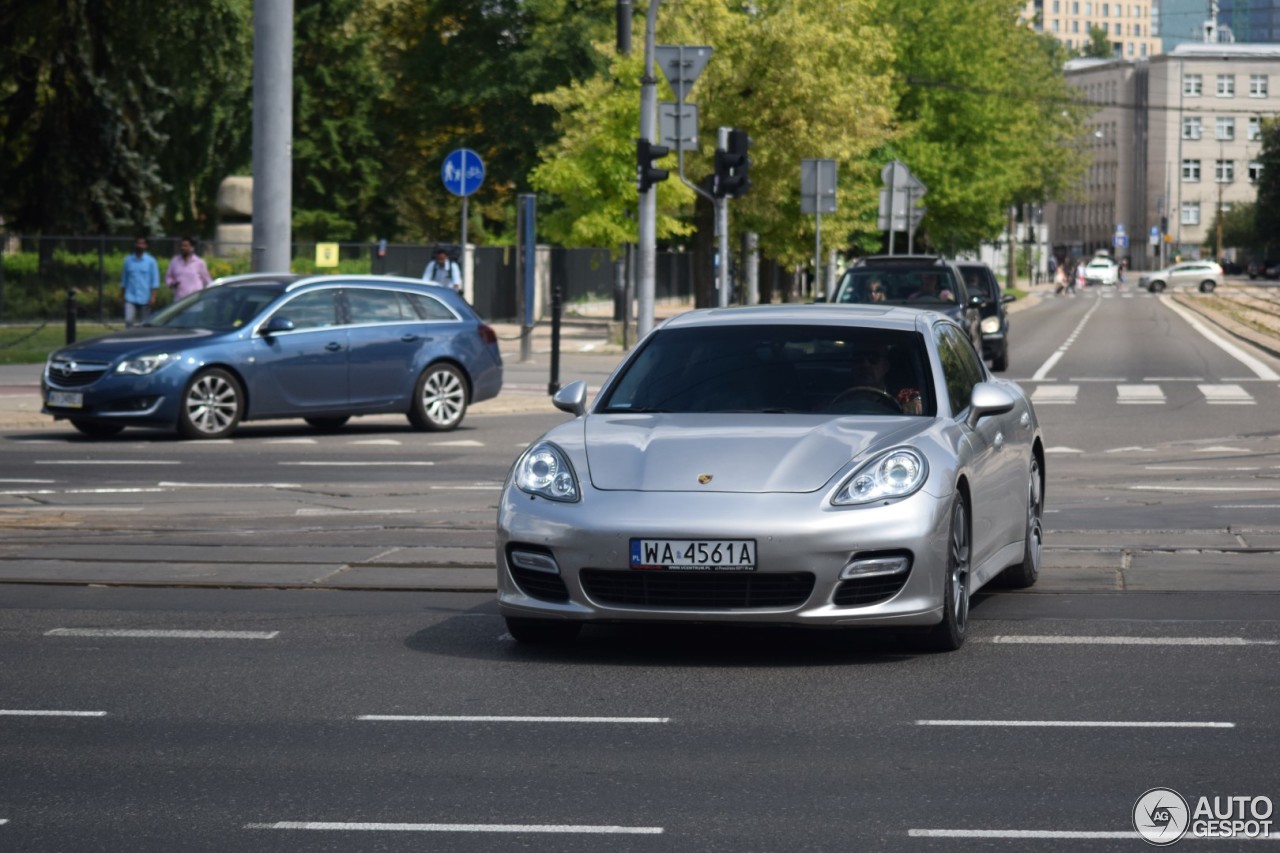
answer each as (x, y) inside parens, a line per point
(871, 363)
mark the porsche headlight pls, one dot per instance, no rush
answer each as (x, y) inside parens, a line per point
(990, 325)
(544, 470)
(144, 364)
(895, 474)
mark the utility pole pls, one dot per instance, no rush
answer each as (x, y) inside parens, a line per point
(647, 209)
(272, 134)
(1012, 279)
(1220, 175)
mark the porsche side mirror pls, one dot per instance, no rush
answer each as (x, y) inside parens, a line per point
(572, 398)
(988, 398)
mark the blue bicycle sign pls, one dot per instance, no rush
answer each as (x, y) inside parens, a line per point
(462, 172)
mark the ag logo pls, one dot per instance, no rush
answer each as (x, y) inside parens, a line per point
(1161, 816)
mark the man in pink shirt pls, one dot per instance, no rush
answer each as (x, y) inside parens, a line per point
(187, 272)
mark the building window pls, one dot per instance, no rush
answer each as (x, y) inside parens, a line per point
(1088, 8)
(1191, 213)
(1142, 50)
(1224, 171)
(1191, 171)
(1226, 85)
(1130, 46)
(1255, 171)
(1075, 26)
(1056, 5)
(1192, 84)
(1075, 8)
(1225, 128)
(1191, 127)
(1106, 10)
(1255, 128)
(1055, 25)
(1257, 85)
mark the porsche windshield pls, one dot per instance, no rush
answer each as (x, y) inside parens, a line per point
(777, 369)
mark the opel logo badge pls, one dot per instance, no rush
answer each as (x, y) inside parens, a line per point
(703, 479)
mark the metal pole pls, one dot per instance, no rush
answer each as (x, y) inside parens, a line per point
(1009, 246)
(647, 209)
(553, 384)
(462, 252)
(272, 134)
(892, 175)
(722, 232)
(751, 262)
(817, 244)
(911, 225)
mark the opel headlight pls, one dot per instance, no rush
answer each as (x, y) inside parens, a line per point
(544, 470)
(990, 325)
(895, 474)
(144, 364)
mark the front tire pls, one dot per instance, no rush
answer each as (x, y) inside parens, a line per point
(1207, 286)
(96, 429)
(212, 405)
(439, 399)
(949, 634)
(1156, 287)
(542, 631)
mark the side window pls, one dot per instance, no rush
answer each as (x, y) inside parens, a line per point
(428, 307)
(314, 310)
(961, 369)
(375, 306)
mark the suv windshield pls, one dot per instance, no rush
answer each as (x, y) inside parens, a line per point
(897, 286)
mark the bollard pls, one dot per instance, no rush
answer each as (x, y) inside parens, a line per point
(71, 315)
(554, 385)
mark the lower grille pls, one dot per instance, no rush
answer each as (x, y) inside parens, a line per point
(697, 590)
(543, 586)
(859, 592)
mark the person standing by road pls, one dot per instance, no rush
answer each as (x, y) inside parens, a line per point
(443, 271)
(187, 271)
(139, 283)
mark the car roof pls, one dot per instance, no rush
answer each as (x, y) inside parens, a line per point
(255, 278)
(869, 316)
(901, 261)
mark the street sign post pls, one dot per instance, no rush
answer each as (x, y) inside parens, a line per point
(899, 202)
(462, 173)
(678, 125)
(818, 196)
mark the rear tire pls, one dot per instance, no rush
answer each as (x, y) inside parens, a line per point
(949, 634)
(96, 429)
(212, 405)
(542, 631)
(1026, 573)
(1156, 286)
(439, 399)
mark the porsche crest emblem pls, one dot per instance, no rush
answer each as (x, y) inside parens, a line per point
(703, 479)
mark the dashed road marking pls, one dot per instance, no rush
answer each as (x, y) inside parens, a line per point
(428, 718)
(570, 829)
(13, 713)
(1082, 724)
(1051, 639)
(162, 633)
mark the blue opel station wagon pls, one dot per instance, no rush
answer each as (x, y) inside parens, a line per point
(323, 348)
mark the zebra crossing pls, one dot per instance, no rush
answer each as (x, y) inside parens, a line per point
(1153, 393)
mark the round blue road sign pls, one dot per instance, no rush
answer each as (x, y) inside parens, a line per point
(462, 172)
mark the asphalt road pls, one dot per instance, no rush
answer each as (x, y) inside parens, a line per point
(1146, 657)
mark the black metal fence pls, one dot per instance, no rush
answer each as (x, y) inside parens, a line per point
(38, 274)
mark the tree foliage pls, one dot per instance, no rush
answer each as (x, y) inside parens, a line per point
(1267, 210)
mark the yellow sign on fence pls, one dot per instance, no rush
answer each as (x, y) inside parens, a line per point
(326, 254)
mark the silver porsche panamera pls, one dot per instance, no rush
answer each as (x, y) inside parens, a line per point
(810, 465)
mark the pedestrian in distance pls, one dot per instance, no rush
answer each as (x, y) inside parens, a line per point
(443, 271)
(1059, 280)
(139, 283)
(187, 271)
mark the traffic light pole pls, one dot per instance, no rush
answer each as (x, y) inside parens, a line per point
(722, 233)
(647, 209)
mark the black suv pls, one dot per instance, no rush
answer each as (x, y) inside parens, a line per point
(916, 281)
(981, 282)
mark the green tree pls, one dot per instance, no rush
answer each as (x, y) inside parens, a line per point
(465, 75)
(988, 119)
(1238, 230)
(339, 86)
(1267, 211)
(1099, 46)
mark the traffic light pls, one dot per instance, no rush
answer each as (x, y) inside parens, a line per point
(732, 166)
(648, 174)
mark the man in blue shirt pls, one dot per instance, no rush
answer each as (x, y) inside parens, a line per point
(140, 282)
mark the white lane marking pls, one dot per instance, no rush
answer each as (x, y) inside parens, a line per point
(1173, 379)
(389, 441)
(1202, 468)
(1062, 350)
(1221, 449)
(1226, 395)
(1083, 724)
(357, 464)
(1131, 449)
(18, 492)
(1064, 450)
(465, 488)
(337, 511)
(120, 491)
(1016, 833)
(1247, 506)
(1052, 640)
(463, 442)
(17, 480)
(177, 485)
(1097, 379)
(1259, 369)
(1049, 395)
(165, 634)
(291, 441)
(1140, 395)
(394, 718)
(1203, 488)
(573, 829)
(108, 462)
(53, 713)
